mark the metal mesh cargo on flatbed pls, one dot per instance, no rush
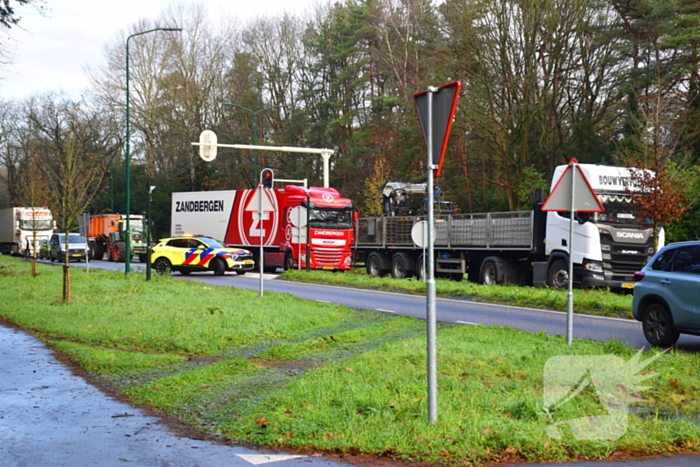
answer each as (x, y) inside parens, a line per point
(502, 230)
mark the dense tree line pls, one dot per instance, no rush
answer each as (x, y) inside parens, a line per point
(604, 81)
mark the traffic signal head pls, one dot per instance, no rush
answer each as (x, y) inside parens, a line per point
(267, 178)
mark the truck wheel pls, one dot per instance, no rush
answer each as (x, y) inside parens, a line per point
(377, 265)
(162, 266)
(558, 275)
(420, 268)
(490, 272)
(218, 266)
(288, 261)
(402, 266)
(142, 258)
(658, 326)
(98, 252)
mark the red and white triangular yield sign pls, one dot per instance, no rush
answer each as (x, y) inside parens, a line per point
(255, 205)
(444, 107)
(583, 199)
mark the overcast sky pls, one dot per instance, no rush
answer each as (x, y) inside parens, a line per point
(51, 52)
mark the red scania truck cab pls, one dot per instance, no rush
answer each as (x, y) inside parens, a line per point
(291, 223)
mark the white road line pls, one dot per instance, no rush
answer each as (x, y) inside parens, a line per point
(385, 311)
(467, 322)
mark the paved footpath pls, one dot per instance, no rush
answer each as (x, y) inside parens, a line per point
(51, 417)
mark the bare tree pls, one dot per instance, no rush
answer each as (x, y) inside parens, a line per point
(73, 178)
(32, 194)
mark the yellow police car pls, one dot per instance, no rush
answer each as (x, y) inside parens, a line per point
(188, 254)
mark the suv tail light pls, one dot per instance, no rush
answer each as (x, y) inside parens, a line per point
(638, 276)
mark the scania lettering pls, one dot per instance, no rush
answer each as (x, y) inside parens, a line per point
(522, 248)
(237, 221)
(629, 235)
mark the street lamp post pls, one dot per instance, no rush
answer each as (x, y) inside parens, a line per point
(127, 259)
(255, 128)
(148, 232)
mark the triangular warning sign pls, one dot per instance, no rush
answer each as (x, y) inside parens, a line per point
(583, 197)
(255, 201)
(443, 112)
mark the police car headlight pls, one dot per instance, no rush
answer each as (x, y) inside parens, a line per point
(233, 257)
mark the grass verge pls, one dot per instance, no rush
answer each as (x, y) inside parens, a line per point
(591, 301)
(286, 373)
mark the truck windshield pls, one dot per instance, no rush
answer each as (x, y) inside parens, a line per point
(617, 210)
(38, 224)
(330, 218)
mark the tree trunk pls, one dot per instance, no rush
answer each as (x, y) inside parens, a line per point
(66, 283)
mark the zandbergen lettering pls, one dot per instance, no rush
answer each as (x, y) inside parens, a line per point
(199, 206)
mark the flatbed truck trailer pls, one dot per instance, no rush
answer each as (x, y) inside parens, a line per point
(523, 247)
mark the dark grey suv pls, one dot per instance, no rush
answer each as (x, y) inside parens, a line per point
(667, 294)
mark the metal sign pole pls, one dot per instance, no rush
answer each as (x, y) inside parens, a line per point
(570, 296)
(430, 275)
(261, 266)
(301, 229)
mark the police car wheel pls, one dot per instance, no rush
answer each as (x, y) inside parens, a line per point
(218, 266)
(162, 266)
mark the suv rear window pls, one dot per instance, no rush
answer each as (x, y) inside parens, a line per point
(687, 260)
(683, 259)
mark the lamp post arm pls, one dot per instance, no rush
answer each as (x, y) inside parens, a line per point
(127, 157)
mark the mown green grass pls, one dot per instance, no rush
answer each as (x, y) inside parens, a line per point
(283, 372)
(592, 301)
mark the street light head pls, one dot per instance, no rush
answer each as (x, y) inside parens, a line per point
(171, 29)
(207, 148)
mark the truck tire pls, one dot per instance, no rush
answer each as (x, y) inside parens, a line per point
(490, 273)
(218, 266)
(98, 251)
(377, 265)
(558, 274)
(143, 258)
(420, 272)
(402, 266)
(288, 261)
(118, 253)
(162, 266)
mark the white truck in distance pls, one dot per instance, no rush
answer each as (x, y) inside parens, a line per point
(18, 227)
(522, 248)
